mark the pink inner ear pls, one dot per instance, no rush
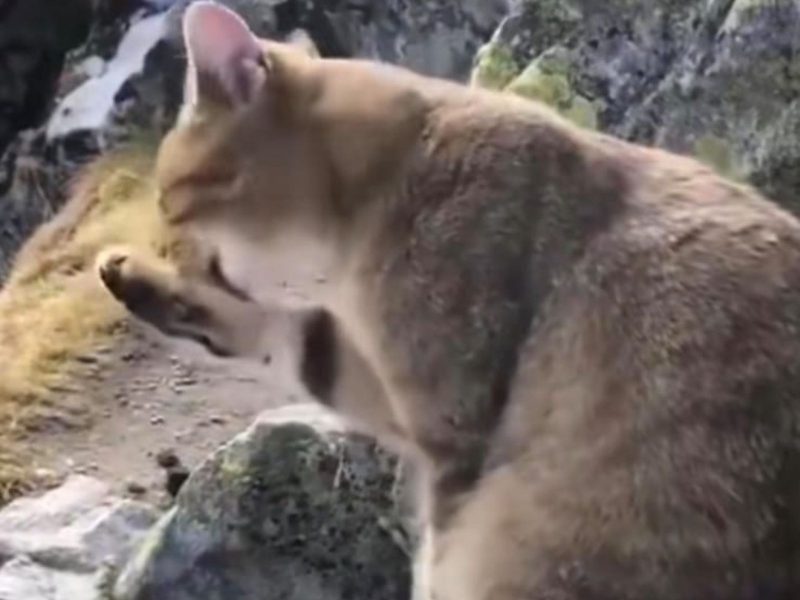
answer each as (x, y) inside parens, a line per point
(222, 48)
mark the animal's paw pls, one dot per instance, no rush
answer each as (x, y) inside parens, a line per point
(145, 289)
(112, 266)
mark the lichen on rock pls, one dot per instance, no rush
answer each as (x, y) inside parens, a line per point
(547, 79)
(295, 508)
(716, 153)
(494, 68)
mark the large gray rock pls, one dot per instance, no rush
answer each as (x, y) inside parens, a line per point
(719, 79)
(294, 508)
(66, 544)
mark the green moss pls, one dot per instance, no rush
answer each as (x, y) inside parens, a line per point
(582, 112)
(233, 468)
(495, 67)
(551, 88)
(716, 153)
(546, 79)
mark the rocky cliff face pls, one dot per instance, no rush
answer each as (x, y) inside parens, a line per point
(717, 79)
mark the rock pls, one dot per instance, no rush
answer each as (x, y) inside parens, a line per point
(24, 579)
(717, 79)
(35, 36)
(32, 188)
(135, 488)
(294, 508)
(176, 472)
(733, 100)
(175, 478)
(64, 544)
(90, 106)
(167, 458)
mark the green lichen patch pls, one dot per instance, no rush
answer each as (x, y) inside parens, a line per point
(494, 67)
(716, 153)
(582, 112)
(546, 79)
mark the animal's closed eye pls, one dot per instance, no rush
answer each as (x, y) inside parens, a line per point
(219, 279)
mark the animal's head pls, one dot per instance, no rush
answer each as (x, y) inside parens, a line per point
(274, 147)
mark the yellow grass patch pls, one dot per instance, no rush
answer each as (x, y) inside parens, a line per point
(53, 308)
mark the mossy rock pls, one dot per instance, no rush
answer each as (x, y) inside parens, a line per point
(294, 508)
(718, 154)
(547, 79)
(495, 67)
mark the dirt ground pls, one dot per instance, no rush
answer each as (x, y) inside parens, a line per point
(146, 394)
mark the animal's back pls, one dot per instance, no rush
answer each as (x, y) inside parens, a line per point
(647, 446)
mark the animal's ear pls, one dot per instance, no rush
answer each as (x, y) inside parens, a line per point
(299, 38)
(226, 62)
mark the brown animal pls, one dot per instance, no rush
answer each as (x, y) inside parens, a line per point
(592, 347)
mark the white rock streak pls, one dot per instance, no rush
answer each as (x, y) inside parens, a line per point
(89, 106)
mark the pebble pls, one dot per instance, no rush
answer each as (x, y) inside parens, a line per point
(176, 477)
(156, 420)
(44, 474)
(167, 458)
(135, 488)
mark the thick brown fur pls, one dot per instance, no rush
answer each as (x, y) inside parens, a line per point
(593, 347)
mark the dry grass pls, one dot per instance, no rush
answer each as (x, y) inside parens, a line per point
(53, 307)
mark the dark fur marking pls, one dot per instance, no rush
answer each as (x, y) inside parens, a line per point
(319, 362)
(221, 281)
